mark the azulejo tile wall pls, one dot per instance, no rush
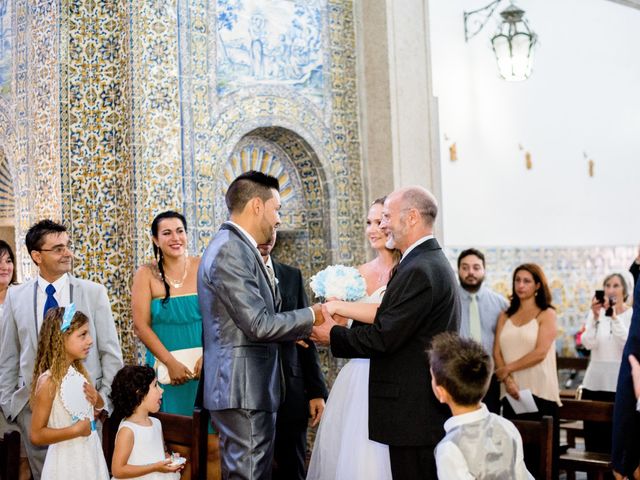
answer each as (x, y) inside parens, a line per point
(573, 275)
(118, 111)
(29, 118)
(96, 160)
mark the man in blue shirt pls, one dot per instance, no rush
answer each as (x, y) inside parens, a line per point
(480, 310)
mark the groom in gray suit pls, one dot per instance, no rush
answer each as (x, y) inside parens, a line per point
(24, 309)
(239, 300)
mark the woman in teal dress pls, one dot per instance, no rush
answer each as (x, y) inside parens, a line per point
(166, 317)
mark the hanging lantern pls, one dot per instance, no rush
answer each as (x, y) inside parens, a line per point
(513, 45)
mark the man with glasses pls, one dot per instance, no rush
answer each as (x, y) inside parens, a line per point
(25, 307)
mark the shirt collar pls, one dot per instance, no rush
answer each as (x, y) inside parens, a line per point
(467, 294)
(465, 418)
(269, 262)
(245, 233)
(415, 244)
(59, 284)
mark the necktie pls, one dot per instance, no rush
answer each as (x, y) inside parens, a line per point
(272, 277)
(475, 329)
(51, 301)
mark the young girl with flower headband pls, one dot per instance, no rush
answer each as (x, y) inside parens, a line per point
(74, 446)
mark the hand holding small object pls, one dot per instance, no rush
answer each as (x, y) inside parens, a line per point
(178, 372)
(512, 387)
(197, 369)
(83, 428)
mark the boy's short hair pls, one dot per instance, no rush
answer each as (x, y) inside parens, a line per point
(461, 366)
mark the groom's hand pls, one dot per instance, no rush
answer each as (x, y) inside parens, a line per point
(318, 319)
(322, 333)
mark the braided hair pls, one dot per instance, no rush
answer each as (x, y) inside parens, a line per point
(157, 252)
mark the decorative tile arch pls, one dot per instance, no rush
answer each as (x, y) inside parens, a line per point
(305, 235)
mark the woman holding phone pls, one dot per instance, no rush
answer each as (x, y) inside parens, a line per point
(605, 334)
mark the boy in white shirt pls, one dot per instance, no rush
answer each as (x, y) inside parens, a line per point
(477, 444)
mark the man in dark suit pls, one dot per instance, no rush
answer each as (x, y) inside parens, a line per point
(306, 390)
(241, 328)
(421, 301)
(625, 450)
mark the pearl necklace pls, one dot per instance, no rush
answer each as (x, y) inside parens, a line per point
(178, 283)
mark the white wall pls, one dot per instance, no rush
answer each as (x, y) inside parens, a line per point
(583, 96)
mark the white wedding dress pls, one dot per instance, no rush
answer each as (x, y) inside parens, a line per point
(342, 450)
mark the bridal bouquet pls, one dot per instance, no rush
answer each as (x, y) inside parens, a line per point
(338, 281)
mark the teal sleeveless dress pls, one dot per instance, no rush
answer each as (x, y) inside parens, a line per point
(178, 325)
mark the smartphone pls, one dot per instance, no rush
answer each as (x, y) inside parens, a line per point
(600, 296)
(609, 311)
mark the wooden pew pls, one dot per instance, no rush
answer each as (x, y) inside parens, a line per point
(583, 461)
(10, 456)
(574, 365)
(537, 443)
(191, 432)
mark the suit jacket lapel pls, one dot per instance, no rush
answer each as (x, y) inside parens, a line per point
(258, 258)
(34, 322)
(431, 244)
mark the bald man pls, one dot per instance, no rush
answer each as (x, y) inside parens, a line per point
(421, 301)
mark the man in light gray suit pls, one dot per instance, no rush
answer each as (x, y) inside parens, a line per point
(24, 308)
(243, 378)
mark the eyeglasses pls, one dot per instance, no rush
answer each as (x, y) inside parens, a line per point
(58, 249)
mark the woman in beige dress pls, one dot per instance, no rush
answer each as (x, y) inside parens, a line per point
(524, 349)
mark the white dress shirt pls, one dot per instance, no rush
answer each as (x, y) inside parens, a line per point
(62, 295)
(415, 244)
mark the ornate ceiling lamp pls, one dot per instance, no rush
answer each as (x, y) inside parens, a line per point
(513, 42)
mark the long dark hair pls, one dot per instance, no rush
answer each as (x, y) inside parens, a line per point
(6, 248)
(543, 294)
(157, 253)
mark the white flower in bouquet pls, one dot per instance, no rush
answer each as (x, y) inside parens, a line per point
(339, 281)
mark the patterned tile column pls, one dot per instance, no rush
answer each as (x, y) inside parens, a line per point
(96, 156)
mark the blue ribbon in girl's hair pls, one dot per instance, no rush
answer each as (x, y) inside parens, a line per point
(69, 312)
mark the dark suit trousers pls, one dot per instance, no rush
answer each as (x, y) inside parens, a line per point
(290, 450)
(246, 443)
(413, 463)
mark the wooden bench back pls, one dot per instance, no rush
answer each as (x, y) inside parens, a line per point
(537, 444)
(589, 410)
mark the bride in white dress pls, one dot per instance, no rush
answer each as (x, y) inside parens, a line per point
(342, 449)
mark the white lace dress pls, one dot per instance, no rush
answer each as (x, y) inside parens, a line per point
(342, 450)
(80, 457)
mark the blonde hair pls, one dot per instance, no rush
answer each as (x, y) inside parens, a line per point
(51, 352)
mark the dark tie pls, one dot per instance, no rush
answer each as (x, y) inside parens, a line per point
(51, 301)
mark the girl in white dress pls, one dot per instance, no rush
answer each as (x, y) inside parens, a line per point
(342, 449)
(74, 446)
(139, 449)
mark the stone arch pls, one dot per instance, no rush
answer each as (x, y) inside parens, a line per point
(304, 239)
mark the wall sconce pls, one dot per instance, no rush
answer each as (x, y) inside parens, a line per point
(591, 164)
(513, 42)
